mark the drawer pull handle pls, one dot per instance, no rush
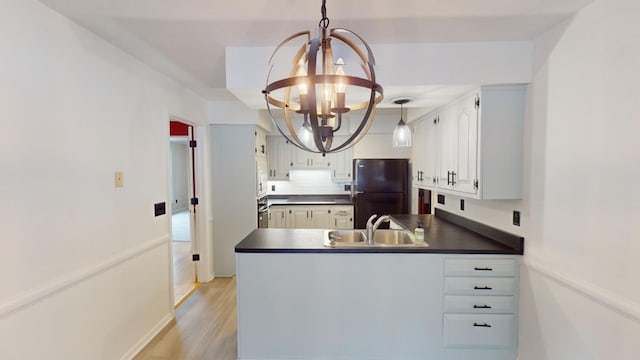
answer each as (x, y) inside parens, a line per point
(482, 288)
(481, 307)
(482, 269)
(481, 325)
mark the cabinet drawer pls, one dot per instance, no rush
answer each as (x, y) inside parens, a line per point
(479, 286)
(480, 267)
(490, 331)
(480, 304)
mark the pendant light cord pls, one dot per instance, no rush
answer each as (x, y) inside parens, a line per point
(324, 22)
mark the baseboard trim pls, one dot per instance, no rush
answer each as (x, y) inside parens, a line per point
(186, 296)
(147, 339)
(604, 297)
(33, 296)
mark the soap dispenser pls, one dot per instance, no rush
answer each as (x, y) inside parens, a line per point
(419, 234)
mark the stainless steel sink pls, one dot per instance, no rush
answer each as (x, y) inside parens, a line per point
(393, 237)
(381, 238)
(344, 237)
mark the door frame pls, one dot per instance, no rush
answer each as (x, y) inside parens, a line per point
(199, 229)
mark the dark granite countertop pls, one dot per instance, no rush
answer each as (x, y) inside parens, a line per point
(442, 235)
(309, 200)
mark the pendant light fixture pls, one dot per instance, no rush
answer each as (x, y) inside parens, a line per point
(402, 132)
(329, 75)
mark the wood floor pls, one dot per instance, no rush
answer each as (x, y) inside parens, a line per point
(205, 326)
(183, 270)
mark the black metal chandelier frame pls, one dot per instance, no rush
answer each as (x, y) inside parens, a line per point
(326, 119)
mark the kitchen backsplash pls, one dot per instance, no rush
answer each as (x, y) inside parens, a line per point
(308, 182)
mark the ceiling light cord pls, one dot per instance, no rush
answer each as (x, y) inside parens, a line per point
(324, 22)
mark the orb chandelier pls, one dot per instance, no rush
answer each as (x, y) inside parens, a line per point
(330, 75)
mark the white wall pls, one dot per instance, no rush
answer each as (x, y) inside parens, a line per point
(85, 266)
(308, 182)
(233, 191)
(580, 296)
(400, 65)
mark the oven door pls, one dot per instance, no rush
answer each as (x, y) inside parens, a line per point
(263, 217)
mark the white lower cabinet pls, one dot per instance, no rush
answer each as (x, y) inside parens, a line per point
(311, 217)
(278, 217)
(480, 331)
(343, 217)
(372, 306)
(480, 303)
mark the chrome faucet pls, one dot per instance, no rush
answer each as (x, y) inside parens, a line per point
(371, 227)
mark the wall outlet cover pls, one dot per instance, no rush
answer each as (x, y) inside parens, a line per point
(441, 199)
(516, 218)
(462, 204)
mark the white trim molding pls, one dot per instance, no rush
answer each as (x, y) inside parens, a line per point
(623, 306)
(148, 337)
(32, 296)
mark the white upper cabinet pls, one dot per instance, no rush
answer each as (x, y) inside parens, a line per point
(341, 163)
(424, 152)
(301, 159)
(457, 131)
(282, 157)
(278, 157)
(261, 176)
(260, 148)
(478, 144)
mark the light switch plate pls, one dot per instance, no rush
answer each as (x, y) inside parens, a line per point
(119, 179)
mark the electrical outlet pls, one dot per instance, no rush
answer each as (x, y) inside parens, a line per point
(273, 188)
(516, 218)
(462, 204)
(347, 187)
(441, 199)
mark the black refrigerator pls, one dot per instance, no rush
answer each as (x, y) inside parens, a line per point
(380, 186)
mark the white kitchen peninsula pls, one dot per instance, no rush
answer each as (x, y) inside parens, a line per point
(455, 299)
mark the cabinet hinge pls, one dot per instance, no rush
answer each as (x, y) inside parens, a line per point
(195, 257)
(475, 184)
(477, 102)
(192, 143)
(194, 201)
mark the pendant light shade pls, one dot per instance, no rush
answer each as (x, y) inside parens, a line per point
(316, 80)
(402, 132)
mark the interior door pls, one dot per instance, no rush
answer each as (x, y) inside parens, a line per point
(184, 224)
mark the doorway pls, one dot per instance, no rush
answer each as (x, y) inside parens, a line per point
(183, 210)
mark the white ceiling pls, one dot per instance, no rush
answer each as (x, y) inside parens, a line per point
(186, 39)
